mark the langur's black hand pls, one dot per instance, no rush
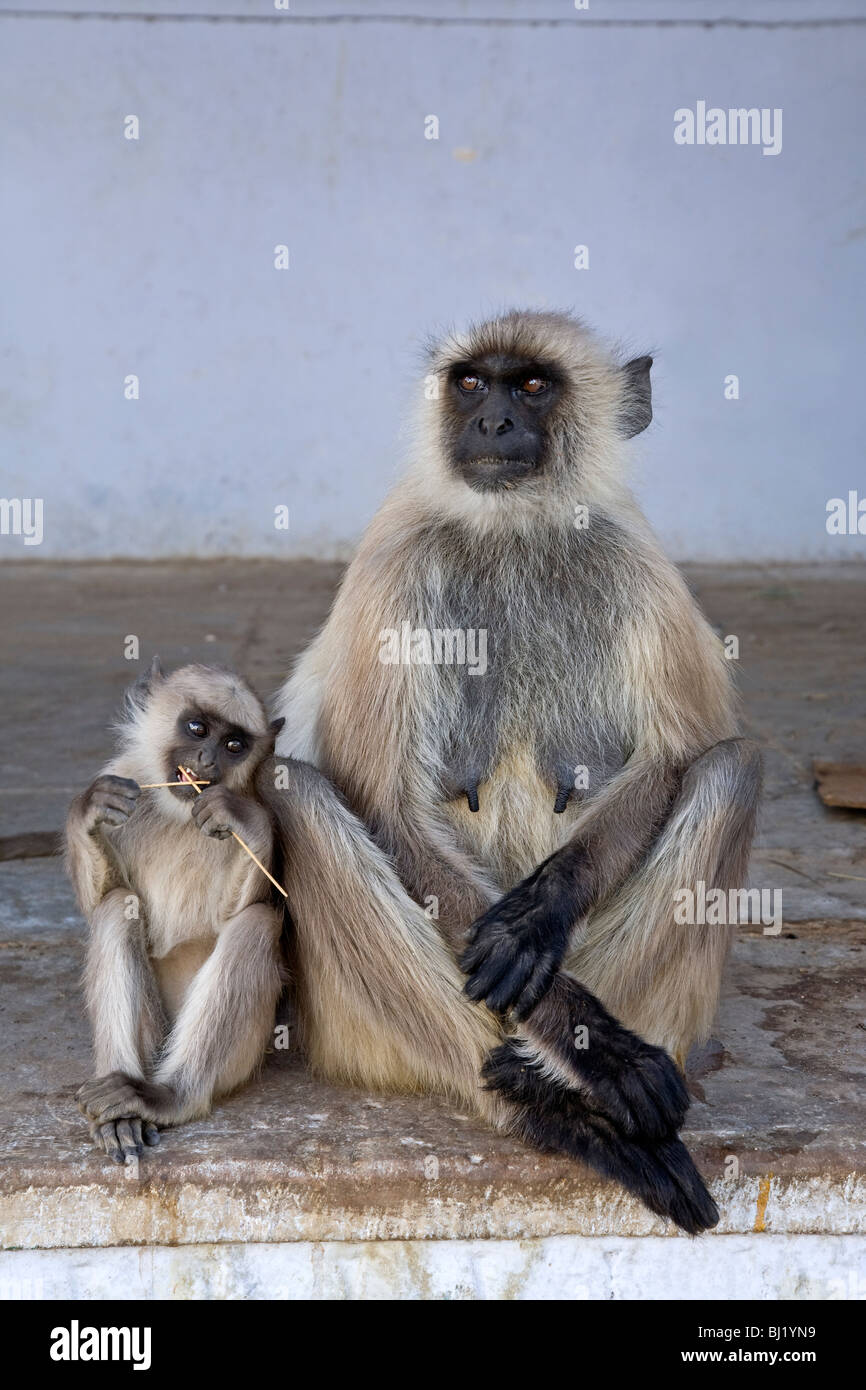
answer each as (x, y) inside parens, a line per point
(116, 1096)
(517, 946)
(111, 801)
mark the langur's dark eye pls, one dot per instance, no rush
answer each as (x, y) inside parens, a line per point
(470, 382)
(235, 745)
(534, 385)
(196, 728)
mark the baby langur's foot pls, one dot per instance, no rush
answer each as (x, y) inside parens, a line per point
(124, 1139)
(124, 1110)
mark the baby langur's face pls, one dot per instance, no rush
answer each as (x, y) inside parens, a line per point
(212, 750)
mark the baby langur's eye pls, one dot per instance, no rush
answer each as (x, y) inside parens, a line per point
(234, 745)
(196, 728)
(534, 385)
(470, 382)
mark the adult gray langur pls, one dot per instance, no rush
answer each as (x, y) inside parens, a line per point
(483, 855)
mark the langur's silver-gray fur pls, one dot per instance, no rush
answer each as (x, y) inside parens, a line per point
(598, 657)
(183, 959)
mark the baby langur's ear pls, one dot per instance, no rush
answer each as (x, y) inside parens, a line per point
(273, 729)
(636, 407)
(138, 694)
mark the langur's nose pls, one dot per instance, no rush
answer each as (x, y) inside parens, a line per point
(496, 426)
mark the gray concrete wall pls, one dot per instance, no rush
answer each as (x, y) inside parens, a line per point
(261, 387)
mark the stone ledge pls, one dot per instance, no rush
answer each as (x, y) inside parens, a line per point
(263, 1205)
(292, 1159)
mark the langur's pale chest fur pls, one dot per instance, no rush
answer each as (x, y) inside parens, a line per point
(515, 826)
(183, 890)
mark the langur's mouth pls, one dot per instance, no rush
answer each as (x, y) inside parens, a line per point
(491, 473)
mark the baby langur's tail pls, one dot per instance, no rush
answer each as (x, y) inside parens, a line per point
(578, 1083)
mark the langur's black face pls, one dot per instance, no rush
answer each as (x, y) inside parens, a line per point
(497, 414)
(213, 750)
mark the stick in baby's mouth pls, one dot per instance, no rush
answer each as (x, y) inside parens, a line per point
(178, 781)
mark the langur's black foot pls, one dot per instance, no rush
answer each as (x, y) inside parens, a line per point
(554, 1119)
(517, 946)
(636, 1085)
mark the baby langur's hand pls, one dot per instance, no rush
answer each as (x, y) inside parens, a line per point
(219, 811)
(111, 801)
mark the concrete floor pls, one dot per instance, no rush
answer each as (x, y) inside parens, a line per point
(290, 1163)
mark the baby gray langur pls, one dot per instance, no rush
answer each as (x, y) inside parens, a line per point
(184, 958)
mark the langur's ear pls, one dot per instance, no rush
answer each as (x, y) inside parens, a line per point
(270, 738)
(636, 406)
(138, 694)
